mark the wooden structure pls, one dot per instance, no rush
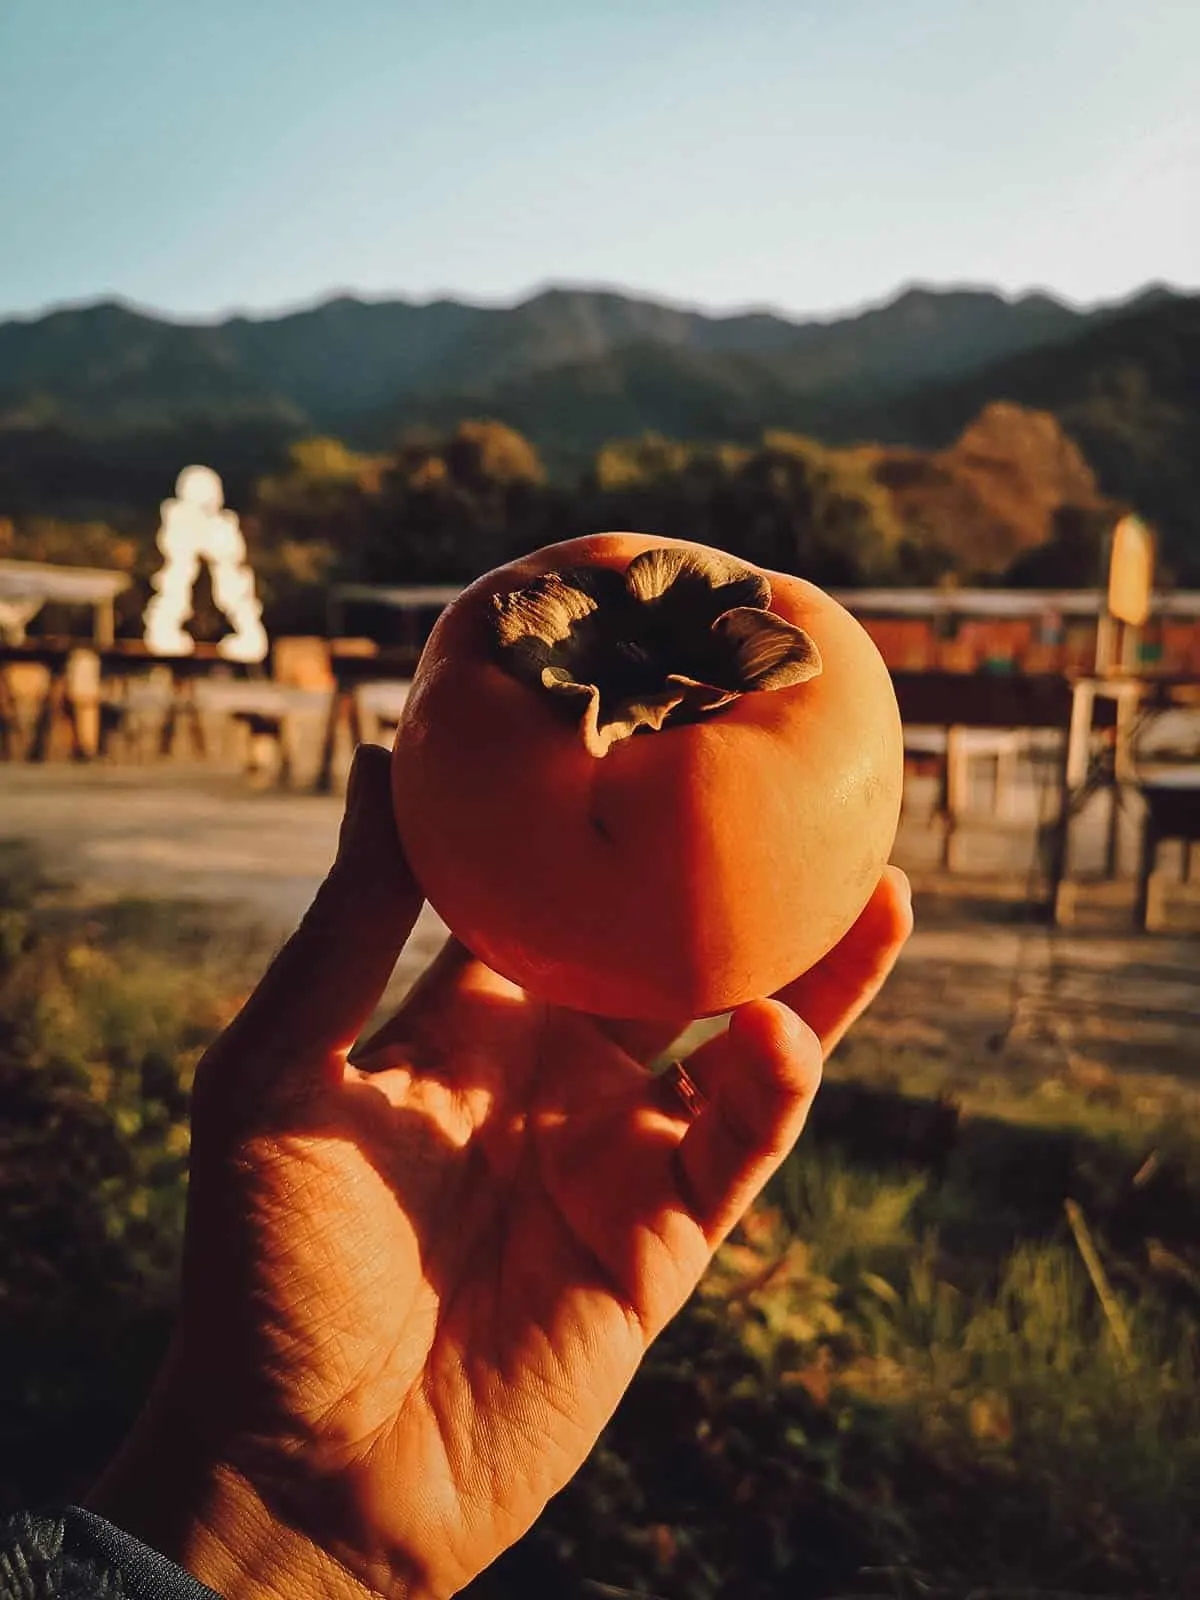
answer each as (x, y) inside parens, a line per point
(62, 684)
(82, 700)
(991, 708)
(405, 613)
(977, 716)
(27, 586)
(360, 667)
(1171, 795)
(78, 681)
(998, 631)
(1034, 631)
(1091, 725)
(1120, 709)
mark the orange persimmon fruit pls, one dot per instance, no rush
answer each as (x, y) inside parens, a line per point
(644, 779)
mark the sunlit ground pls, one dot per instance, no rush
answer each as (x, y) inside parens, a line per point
(956, 1347)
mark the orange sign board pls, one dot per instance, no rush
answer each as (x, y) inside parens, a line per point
(1130, 572)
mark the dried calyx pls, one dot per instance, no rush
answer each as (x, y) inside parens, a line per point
(676, 636)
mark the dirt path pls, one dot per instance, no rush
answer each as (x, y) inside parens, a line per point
(179, 832)
(982, 978)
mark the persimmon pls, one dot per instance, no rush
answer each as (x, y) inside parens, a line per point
(644, 779)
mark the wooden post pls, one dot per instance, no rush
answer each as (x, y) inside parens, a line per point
(1076, 753)
(51, 714)
(1079, 733)
(183, 709)
(1147, 859)
(10, 719)
(1128, 696)
(286, 760)
(1112, 836)
(166, 733)
(341, 704)
(1062, 891)
(83, 702)
(1105, 645)
(1007, 759)
(955, 790)
(104, 629)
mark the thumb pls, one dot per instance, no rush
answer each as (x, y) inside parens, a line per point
(323, 985)
(835, 993)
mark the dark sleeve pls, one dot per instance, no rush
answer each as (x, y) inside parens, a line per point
(76, 1555)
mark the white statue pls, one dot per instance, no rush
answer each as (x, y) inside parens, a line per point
(196, 528)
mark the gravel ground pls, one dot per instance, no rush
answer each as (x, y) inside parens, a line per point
(982, 973)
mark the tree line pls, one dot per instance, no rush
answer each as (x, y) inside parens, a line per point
(442, 507)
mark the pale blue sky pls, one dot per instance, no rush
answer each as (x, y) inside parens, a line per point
(806, 154)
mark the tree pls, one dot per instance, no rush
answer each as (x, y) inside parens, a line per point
(484, 456)
(1072, 557)
(305, 525)
(450, 507)
(816, 512)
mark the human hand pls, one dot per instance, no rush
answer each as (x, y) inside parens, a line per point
(416, 1288)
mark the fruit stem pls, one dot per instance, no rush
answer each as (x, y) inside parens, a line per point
(677, 636)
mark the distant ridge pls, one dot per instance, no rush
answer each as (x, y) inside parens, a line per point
(99, 395)
(99, 366)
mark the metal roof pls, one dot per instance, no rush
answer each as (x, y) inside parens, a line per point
(403, 597)
(76, 586)
(863, 602)
(1000, 602)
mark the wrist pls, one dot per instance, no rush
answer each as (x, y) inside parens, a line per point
(211, 1520)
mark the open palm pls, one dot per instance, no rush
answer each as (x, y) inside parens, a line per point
(416, 1287)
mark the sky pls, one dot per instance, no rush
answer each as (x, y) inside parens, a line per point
(807, 155)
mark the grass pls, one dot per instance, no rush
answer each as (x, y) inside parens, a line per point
(956, 1349)
(104, 1012)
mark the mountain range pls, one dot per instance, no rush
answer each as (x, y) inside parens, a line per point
(103, 400)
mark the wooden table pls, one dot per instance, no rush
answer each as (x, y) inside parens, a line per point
(1079, 707)
(955, 750)
(365, 687)
(69, 705)
(977, 715)
(76, 673)
(357, 671)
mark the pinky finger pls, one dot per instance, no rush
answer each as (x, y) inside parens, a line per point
(758, 1081)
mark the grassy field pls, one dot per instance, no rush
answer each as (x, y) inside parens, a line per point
(956, 1349)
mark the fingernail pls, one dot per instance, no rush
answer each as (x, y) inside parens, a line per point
(381, 1058)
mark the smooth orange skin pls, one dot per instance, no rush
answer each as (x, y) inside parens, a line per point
(686, 871)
